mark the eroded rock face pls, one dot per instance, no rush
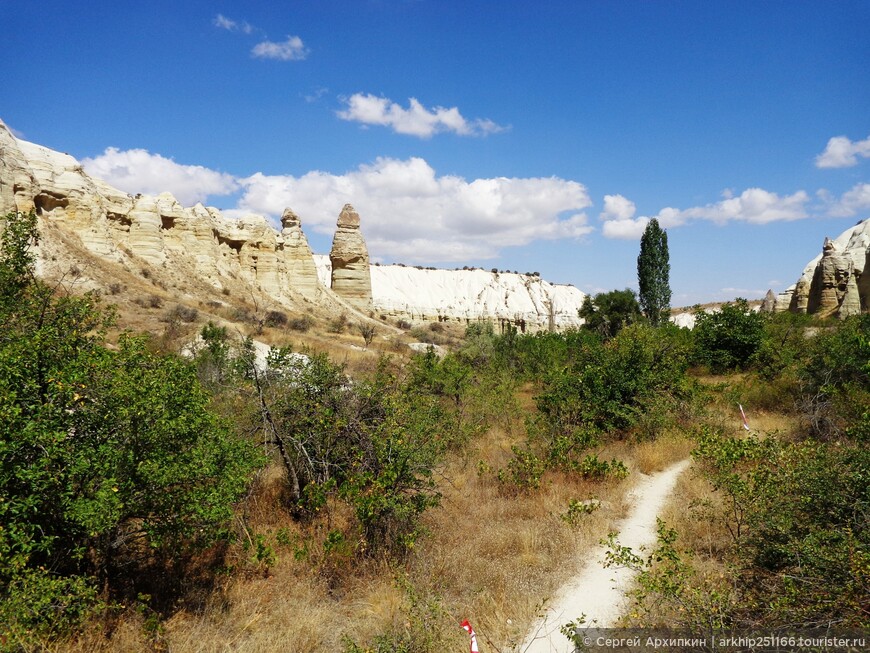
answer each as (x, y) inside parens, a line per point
(837, 282)
(17, 185)
(158, 230)
(351, 276)
(296, 255)
(830, 279)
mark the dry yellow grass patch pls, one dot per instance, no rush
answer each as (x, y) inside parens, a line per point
(656, 455)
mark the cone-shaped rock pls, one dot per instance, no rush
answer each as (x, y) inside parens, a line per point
(351, 277)
(299, 263)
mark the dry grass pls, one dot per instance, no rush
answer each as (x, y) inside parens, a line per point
(493, 556)
(656, 455)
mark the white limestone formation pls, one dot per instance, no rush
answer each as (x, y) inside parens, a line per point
(425, 295)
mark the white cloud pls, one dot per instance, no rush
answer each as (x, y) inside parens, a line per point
(318, 93)
(625, 229)
(139, 171)
(618, 219)
(230, 25)
(853, 201)
(410, 213)
(617, 207)
(753, 205)
(416, 120)
(843, 153)
(293, 49)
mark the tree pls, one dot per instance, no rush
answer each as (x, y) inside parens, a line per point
(730, 337)
(609, 312)
(109, 459)
(653, 274)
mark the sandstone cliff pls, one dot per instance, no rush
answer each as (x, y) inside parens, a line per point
(837, 282)
(157, 231)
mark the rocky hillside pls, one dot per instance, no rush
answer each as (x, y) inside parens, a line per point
(837, 281)
(200, 248)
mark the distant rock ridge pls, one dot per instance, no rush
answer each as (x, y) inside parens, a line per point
(421, 294)
(836, 282)
(159, 232)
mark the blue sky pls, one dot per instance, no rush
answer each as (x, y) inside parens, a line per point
(524, 136)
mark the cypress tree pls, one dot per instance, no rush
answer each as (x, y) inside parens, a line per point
(653, 274)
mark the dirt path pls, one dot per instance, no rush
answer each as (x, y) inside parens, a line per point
(597, 592)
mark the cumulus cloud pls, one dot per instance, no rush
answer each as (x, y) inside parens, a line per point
(625, 229)
(416, 120)
(753, 205)
(292, 49)
(843, 153)
(618, 217)
(617, 207)
(139, 171)
(411, 213)
(852, 202)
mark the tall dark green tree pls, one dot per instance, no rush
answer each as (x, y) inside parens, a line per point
(653, 274)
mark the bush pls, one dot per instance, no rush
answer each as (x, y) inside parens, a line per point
(181, 313)
(608, 313)
(372, 444)
(835, 381)
(301, 324)
(338, 324)
(107, 458)
(609, 387)
(729, 338)
(797, 513)
(275, 319)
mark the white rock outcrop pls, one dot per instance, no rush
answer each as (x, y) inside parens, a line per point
(420, 294)
(837, 281)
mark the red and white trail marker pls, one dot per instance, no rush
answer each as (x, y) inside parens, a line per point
(470, 631)
(743, 415)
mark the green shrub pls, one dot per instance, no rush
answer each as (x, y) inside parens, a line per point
(107, 458)
(729, 338)
(797, 513)
(835, 380)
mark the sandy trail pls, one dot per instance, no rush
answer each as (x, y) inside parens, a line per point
(597, 592)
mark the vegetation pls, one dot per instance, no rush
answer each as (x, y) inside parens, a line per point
(609, 312)
(110, 461)
(729, 338)
(149, 500)
(653, 274)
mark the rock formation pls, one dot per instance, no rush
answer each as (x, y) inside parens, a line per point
(769, 303)
(249, 257)
(17, 185)
(427, 295)
(351, 277)
(158, 231)
(837, 282)
(301, 272)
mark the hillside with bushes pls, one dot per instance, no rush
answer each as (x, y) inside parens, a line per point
(218, 499)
